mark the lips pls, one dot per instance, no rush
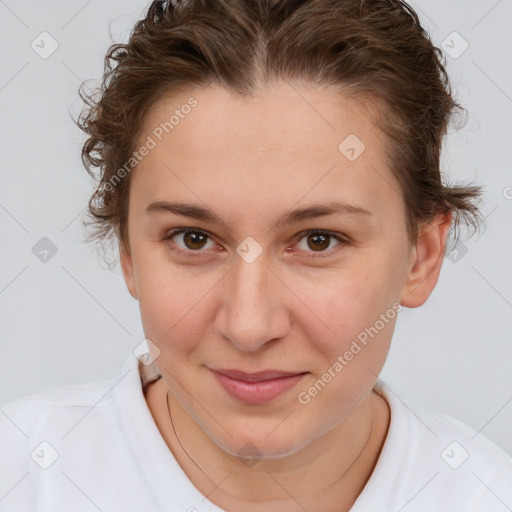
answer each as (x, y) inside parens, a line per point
(257, 376)
(256, 388)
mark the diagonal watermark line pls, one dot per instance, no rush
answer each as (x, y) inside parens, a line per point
(492, 81)
(190, 190)
(216, 486)
(96, 300)
(301, 300)
(185, 314)
(416, 6)
(14, 485)
(492, 211)
(493, 287)
(75, 15)
(13, 13)
(196, 401)
(407, 502)
(486, 14)
(480, 430)
(281, 422)
(14, 76)
(407, 405)
(184, 184)
(14, 218)
(13, 279)
(14, 423)
(508, 506)
(313, 186)
(185, 450)
(310, 104)
(85, 494)
(386, 181)
(97, 402)
(484, 219)
(71, 71)
(72, 220)
(286, 491)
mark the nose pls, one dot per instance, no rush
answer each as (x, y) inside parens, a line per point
(253, 312)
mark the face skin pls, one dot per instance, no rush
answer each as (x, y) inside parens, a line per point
(250, 161)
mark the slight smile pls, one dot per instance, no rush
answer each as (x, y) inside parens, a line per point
(256, 388)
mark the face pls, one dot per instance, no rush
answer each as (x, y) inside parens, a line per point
(235, 279)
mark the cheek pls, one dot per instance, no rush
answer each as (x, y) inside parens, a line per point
(173, 304)
(361, 310)
(351, 302)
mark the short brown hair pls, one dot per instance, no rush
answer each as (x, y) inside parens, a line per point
(368, 49)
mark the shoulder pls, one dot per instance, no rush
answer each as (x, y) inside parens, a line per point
(30, 411)
(456, 467)
(49, 442)
(53, 412)
(33, 428)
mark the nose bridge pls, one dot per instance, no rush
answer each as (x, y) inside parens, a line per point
(251, 310)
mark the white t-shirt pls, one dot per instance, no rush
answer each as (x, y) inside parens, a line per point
(96, 447)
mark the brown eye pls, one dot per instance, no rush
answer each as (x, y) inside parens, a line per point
(194, 240)
(189, 240)
(318, 241)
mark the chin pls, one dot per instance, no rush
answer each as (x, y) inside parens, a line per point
(254, 446)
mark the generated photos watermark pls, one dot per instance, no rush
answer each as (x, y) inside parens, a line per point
(158, 133)
(305, 397)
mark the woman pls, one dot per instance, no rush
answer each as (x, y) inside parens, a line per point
(270, 170)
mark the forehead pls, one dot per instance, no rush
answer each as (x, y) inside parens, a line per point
(283, 143)
(301, 118)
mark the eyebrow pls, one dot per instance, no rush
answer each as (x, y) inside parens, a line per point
(198, 212)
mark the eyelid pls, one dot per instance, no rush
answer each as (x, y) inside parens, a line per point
(338, 236)
(342, 239)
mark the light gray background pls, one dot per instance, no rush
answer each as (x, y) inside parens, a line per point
(71, 321)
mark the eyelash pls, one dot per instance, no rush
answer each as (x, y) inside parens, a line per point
(301, 235)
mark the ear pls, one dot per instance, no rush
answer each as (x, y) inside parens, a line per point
(128, 274)
(427, 257)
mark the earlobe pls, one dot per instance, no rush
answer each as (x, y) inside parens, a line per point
(426, 260)
(128, 274)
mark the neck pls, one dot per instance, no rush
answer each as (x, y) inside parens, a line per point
(337, 463)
